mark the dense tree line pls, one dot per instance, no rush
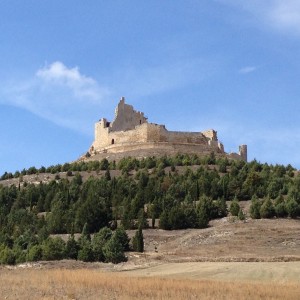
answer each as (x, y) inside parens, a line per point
(151, 188)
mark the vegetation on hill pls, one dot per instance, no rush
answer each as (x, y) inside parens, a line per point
(151, 188)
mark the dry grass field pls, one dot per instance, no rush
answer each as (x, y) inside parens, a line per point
(94, 284)
(256, 259)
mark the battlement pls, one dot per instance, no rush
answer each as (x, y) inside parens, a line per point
(130, 129)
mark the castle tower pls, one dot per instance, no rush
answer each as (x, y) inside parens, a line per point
(243, 152)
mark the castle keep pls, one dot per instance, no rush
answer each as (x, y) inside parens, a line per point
(131, 134)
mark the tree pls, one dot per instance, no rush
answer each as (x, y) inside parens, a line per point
(98, 242)
(221, 208)
(292, 208)
(255, 208)
(122, 237)
(164, 221)
(72, 248)
(85, 252)
(176, 218)
(234, 207)
(202, 215)
(138, 241)
(53, 249)
(113, 251)
(280, 209)
(267, 209)
(35, 253)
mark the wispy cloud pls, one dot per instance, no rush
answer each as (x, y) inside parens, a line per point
(282, 15)
(247, 70)
(68, 98)
(59, 94)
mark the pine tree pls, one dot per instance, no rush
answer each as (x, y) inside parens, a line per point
(138, 241)
(234, 207)
(267, 209)
(72, 247)
(113, 251)
(255, 208)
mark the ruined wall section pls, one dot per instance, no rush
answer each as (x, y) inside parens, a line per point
(158, 133)
(126, 118)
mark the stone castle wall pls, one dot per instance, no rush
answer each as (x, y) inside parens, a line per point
(130, 131)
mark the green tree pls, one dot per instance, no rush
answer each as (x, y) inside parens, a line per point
(164, 221)
(280, 209)
(85, 252)
(99, 240)
(292, 208)
(255, 208)
(122, 237)
(267, 209)
(72, 247)
(138, 241)
(35, 253)
(234, 207)
(113, 251)
(202, 215)
(53, 249)
(7, 256)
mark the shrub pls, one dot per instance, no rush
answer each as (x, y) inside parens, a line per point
(234, 207)
(7, 256)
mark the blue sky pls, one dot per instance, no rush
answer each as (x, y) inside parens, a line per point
(231, 65)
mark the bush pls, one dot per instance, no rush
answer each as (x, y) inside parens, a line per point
(241, 215)
(7, 256)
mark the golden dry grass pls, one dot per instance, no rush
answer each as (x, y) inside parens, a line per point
(93, 284)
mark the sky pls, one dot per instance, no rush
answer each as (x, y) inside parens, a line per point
(230, 65)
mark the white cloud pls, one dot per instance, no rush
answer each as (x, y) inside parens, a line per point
(68, 98)
(59, 94)
(247, 70)
(282, 15)
(58, 74)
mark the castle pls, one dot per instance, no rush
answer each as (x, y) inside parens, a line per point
(130, 134)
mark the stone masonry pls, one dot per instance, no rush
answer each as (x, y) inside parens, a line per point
(131, 133)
